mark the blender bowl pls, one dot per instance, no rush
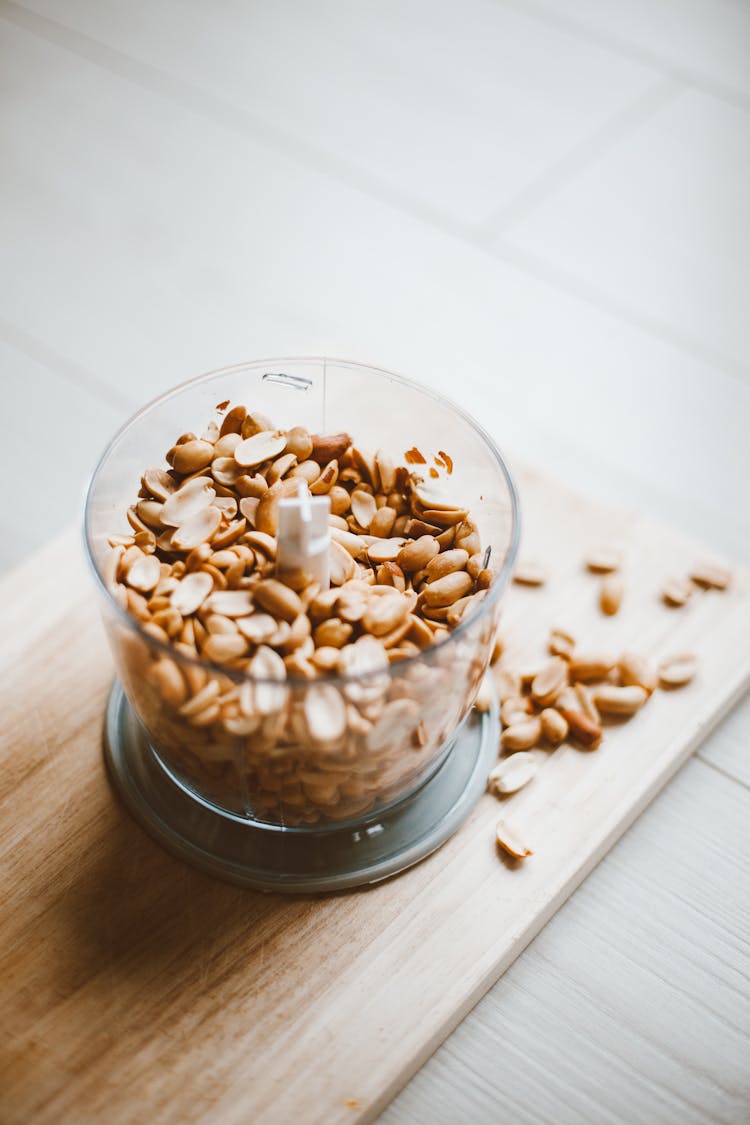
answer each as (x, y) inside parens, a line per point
(305, 783)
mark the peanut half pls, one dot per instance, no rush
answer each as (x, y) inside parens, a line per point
(529, 573)
(509, 840)
(677, 671)
(549, 681)
(610, 594)
(635, 669)
(582, 728)
(676, 592)
(590, 666)
(554, 726)
(603, 560)
(711, 576)
(513, 773)
(522, 735)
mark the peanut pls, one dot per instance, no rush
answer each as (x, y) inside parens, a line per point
(613, 700)
(523, 735)
(554, 726)
(610, 594)
(677, 671)
(417, 554)
(329, 448)
(582, 728)
(447, 590)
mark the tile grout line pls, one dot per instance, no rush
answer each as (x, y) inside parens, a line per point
(73, 373)
(228, 115)
(721, 770)
(580, 157)
(558, 279)
(532, 9)
(303, 152)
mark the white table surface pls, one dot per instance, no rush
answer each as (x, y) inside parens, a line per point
(537, 206)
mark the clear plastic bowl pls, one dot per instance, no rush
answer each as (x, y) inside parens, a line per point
(401, 723)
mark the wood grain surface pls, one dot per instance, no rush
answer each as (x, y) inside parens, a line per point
(137, 988)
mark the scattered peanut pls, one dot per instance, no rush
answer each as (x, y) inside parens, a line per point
(610, 594)
(603, 560)
(513, 773)
(529, 573)
(637, 670)
(711, 576)
(591, 666)
(586, 702)
(554, 726)
(582, 728)
(561, 643)
(613, 700)
(565, 697)
(514, 710)
(676, 591)
(510, 842)
(522, 735)
(677, 671)
(549, 682)
(507, 682)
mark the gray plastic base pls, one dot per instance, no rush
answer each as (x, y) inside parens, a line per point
(270, 858)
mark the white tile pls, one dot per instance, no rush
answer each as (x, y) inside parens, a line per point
(452, 107)
(132, 246)
(705, 39)
(146, 243)
(659, 224)
(633, 1003)
(53, 433)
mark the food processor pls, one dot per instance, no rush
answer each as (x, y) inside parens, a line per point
(268, 800)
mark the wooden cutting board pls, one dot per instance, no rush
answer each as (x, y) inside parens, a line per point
(134, 988)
